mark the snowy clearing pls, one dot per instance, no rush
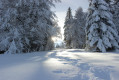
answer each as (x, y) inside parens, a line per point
(60, 65)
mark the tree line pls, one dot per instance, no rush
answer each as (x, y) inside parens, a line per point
(29, 25)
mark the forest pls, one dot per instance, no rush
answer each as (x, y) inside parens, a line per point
(29, 25)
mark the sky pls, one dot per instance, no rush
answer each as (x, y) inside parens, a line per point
(61, 9)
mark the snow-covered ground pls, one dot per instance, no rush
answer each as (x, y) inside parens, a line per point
(60, 65)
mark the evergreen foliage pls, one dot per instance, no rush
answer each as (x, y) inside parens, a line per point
(67, 28)
(78, 29)
(100, 29)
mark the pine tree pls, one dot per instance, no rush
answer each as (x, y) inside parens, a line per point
(67, 28)
(100, 29)
(78, 29)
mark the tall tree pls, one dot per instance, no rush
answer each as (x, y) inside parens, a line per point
(10, 36)
(100, 29)
(78, 29)
(67, 28)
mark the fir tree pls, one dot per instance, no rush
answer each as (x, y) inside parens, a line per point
(67, 28)
(10, 36)
(100, 29)
(78, 29)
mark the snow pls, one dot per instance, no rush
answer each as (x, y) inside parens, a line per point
(63, 64)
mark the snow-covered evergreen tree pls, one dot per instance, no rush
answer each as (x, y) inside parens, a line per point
(67, 28)
(100, 29)
(116, 14)
(10, 36)
(78, 29)
(27, 26)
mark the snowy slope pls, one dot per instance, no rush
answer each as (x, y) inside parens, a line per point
(60, 65)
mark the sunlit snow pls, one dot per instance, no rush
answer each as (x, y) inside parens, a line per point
(60, 65)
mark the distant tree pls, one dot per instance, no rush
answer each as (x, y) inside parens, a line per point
(100, 29)
(67, 28)
(60, 45)
(78, 29)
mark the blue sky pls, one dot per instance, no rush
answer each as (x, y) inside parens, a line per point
(61, 8)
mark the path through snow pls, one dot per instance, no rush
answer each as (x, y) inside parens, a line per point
(60, 65)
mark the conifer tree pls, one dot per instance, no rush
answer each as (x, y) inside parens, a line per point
(78, 29)
(100, 29)
(10, 36)
(116, 14)
(67, 28)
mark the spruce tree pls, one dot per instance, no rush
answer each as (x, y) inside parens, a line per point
(67, 28)
(10, 36)
(78, 29)
(100, 29)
